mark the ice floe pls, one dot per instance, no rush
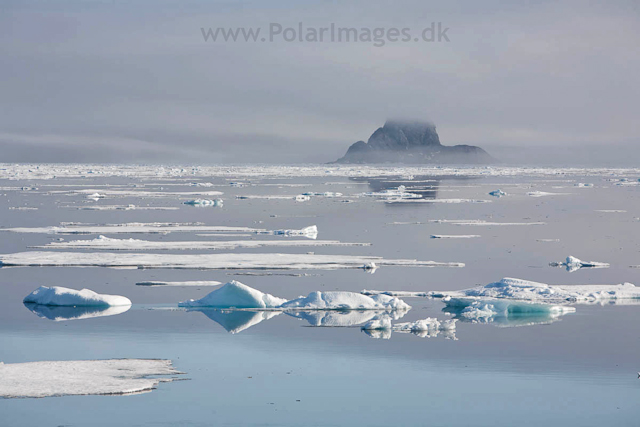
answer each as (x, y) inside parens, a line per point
(454, 236)
(132, 227)
(82, 377)
(544, 194)
(195, 283)
(573, 264)
(106, 243)
(310, 232)
(429, 327)
(583, 185)
(611, 211)
(235, 295)
(497, 193)
(124, 208)
(64, 313)
(204, 202)
(59, 296)
(447, 201)
(469, 222)
(107, 193)
(399, 193)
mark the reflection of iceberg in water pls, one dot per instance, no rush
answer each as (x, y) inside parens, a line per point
(235, 321)
(343, 318)
(384, 334)
(62, 313)
(504, 313)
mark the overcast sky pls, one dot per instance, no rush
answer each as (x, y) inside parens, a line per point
(116, 81)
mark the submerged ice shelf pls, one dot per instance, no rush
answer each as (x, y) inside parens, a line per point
(83, 377)
(262, 261)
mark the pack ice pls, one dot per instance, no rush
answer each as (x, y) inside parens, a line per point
(83, 377)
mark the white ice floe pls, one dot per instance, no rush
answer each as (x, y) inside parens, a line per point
(547, 240)
(124, 208)
(328, 194)
(611, 211)
(92, 194)
(378, 324)
(132, 227)
(429, 327)
(82, 377)
(573, 264)
(196, 283)
(297, 198)
(469, 222)
(446, 201)
(107, 243)
(233, 261)
(235, 295)
(454, 236)
(310, 232)
(95, 196)
(60, 296)
(65, 313)
(544, 194)
(335, 300)
(583, 185)
(399, 193)
(497, 193)
(204, 202)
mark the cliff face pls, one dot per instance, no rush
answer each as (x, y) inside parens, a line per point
(411, 142)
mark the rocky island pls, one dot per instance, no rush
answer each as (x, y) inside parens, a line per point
(411, 142)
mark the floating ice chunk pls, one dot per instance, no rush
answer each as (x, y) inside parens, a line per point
(547, 240)
(57, 295)
(497, 193)
(95, 196)
(302, 198)
(611, 211)
(370, 267)
(573, 264)
(504, 312)
(196, 283)
(91, 194)
(235, 295)
(383, 323)
(344, 301)
(448, 201)
(123, 208)
(428, 327)
(106, 243)
(64, 313)
(310, 232)
(476, 222)
(82, 377)
(324, 194)
(399, 193)
(583, 185)
(455, 236)
(233, 261)
(204, 202)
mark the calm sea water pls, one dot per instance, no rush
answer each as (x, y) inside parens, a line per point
(577, 370)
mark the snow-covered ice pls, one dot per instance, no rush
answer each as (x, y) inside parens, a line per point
(82, 377)
(131, 227)
(57, 295)
(235, 295)
(334, 300)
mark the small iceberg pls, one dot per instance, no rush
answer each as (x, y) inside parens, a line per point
(59, 296)
(204, 202)
(573, 264)
(497, 193)
(235, 295)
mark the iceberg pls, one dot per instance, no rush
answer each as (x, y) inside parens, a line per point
(235, 295)
(59, 296)
(204, 202)
(64, 313)
(83, 377)
(573, 264)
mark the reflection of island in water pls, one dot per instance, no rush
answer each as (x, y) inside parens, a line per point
(62, 313)
(426, 186)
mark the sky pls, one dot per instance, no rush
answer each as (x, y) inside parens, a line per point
(114, 81)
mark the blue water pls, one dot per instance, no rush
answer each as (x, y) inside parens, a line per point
(577, 370)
